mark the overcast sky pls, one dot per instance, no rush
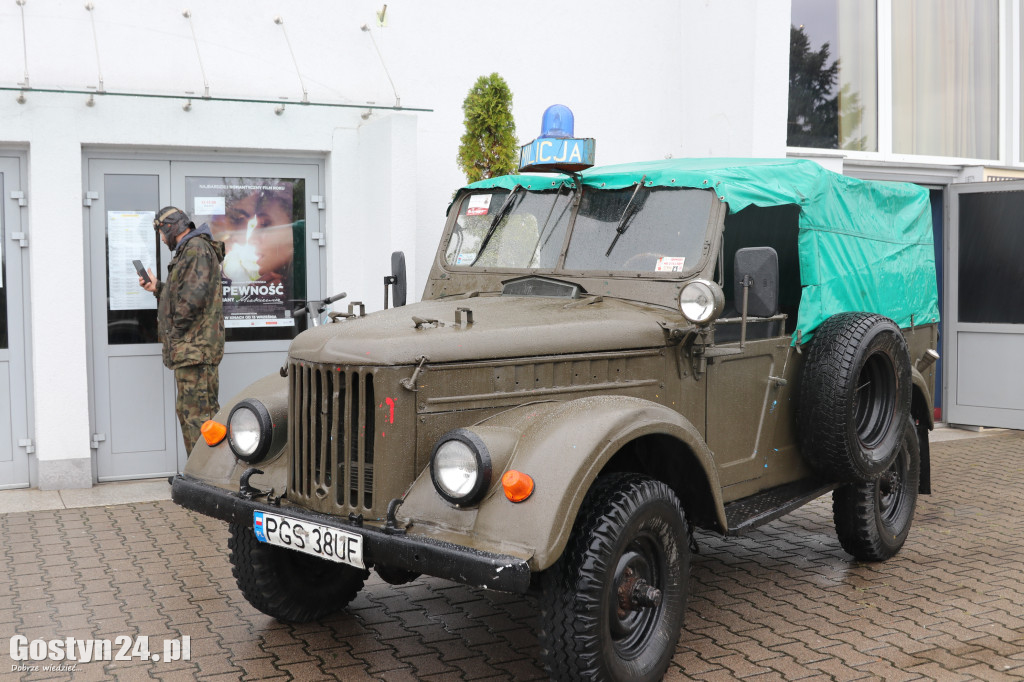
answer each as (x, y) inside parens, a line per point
(818, 17)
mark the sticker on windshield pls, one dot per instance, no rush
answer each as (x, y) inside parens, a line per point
(670, 264)
(479, 204)
(465, 259)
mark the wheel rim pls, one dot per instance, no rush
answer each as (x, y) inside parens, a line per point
(890, 490)
(631, 622)
(875, 400)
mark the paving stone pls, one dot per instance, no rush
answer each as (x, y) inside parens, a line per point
(781, 603)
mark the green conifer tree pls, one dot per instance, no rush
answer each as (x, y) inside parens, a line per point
(488, 147)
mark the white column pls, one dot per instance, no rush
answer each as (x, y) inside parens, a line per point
(734, 78)
(373, 182)
(59, 330)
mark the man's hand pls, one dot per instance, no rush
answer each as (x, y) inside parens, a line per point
(151, 285)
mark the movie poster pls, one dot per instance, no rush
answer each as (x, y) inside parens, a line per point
(257, 219)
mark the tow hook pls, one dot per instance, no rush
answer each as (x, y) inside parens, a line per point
(247, 491)
(635, 593)
(390, 527)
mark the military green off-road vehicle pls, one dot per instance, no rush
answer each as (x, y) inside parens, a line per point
(601, 363)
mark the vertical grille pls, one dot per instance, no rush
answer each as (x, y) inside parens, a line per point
(331, 436)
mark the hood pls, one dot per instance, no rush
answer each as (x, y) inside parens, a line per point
(204, 231)
(503, 327)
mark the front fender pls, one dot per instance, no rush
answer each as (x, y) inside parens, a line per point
(218, 466)
(563, 446)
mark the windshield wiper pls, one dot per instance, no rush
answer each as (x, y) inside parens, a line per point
(511, 201)
(627, 215)
(547, 221)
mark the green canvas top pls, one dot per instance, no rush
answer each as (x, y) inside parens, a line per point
(864, 246)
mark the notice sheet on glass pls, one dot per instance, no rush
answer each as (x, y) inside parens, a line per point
(129, 237)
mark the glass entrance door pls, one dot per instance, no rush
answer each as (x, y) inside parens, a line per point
(261, 212)
(15, 437)
(134, 432)
(984, 309)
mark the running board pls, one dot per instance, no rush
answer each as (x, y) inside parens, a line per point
(748, 513)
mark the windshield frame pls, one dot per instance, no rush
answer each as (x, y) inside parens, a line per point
(697, 264)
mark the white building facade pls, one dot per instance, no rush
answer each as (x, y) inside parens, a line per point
(347, 117)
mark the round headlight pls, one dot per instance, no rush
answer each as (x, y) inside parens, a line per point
(250, 430)
(700, 301)
(460, 467)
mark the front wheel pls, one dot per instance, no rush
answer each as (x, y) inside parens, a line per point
(288, 585)
(873, 519)
(613, 603)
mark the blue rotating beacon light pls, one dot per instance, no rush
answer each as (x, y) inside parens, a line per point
(556, 150)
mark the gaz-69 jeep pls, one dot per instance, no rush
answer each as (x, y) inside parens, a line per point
(601, 362)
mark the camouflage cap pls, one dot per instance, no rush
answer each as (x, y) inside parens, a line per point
(172, 222)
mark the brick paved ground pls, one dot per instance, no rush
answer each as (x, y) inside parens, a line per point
(784, 603)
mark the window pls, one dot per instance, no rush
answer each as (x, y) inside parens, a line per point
(663, 231)
(1020, 104)
(943, 72)
(3, 277)
(528, 232)
(945, 93)
(132, 202)
(833, 75)
(990, 289)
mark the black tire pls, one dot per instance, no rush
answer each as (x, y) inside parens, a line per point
(854, 397)
(630, 528)
(288, 585)
(873, 519)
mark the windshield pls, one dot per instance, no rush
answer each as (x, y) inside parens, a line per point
(634, 229)
(521, 229)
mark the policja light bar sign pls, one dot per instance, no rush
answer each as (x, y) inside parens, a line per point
(556, 150)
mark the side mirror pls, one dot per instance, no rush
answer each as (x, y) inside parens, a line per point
(397, 280)
(757, 280)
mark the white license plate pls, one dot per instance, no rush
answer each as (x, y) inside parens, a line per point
(310, 538)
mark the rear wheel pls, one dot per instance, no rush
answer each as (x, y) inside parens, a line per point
(873, 519)
(613, 603)
(288, 585)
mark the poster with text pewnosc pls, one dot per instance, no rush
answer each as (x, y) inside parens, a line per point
(259, 221)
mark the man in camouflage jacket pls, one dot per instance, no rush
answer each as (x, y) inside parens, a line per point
(190, 317)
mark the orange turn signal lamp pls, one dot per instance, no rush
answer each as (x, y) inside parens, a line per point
(213, 432)
(518, 486)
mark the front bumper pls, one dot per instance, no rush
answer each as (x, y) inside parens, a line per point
(415, 554)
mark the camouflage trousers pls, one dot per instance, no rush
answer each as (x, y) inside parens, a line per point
(197, 388)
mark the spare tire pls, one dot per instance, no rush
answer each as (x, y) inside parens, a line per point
(854, 397)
